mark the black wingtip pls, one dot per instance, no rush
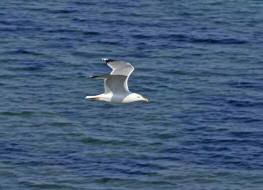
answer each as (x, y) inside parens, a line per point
(99, 77)
(106, 60)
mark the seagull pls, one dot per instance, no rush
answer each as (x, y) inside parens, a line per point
(116, 84)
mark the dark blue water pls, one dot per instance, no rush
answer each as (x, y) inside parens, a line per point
(198, 62)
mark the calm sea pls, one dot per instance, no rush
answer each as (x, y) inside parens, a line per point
(198, 62)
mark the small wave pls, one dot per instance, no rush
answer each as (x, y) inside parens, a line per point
(23, 51)
(192, 39)
(115, 180)
(61, 11)
(91, 33)
(86, 54)
(245, 134)
(243, 119)
(245, 103)
(245, 84)
(91, 140)
(141, 36)
(6, 76)
(220, 41)
(108, 42)
(45, 185)
(123, 181)
(23, 113)
(63, 30)
(82, 3)
(165, 136)
(60, 124)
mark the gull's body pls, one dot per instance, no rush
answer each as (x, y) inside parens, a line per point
(116, 84)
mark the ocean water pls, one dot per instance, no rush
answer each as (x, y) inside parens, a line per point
(198, 62)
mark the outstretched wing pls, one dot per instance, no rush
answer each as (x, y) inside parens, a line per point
(119, 67)
(115, 84)
(117, 81)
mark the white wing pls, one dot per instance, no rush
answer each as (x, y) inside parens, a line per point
(119, 67)
(115, 84)
(117, 81)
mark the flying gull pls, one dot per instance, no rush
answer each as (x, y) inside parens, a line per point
(116, 84)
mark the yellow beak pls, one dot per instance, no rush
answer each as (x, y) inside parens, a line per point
(145, 99)
(95, 98)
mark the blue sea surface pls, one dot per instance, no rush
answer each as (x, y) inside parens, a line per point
(198, 62)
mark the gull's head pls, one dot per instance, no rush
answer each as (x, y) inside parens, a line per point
(138, 97)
